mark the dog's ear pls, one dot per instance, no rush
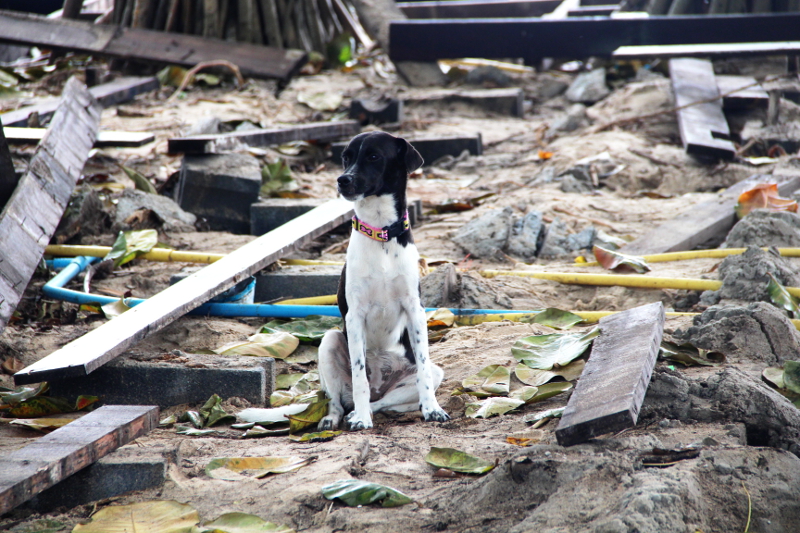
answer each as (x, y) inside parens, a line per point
(409, 154)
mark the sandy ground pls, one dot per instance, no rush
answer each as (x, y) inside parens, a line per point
(598, 487)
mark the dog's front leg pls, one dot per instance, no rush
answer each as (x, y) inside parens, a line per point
(361, 416)
(418, 334)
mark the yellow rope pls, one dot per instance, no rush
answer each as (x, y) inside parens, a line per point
(719, 253)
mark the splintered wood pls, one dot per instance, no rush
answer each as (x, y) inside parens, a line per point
(32, 213)
(611, 388)
(28, 471)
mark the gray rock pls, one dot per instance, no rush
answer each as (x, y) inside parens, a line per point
(173, 218)
(487, 76)
(582, 239)
(526, 235)
(547, 175)
(588, 87)
(555, 239)
(576, 115)
(572, 183)
(85, 215)
(765, 228)
(486, 236)
(550, 88)
(745, 277)
(204, 126)
(444, 287)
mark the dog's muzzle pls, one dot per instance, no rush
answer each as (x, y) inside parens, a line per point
(346, 185)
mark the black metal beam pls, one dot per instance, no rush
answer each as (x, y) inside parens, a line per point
(464, 9)
(533, 39)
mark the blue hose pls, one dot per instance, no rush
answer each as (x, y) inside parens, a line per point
(74, 266)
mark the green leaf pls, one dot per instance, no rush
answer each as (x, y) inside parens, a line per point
(774, 376)
(277, 345)
(536, 377)
(545, 352)
(303, 355)
(491, 380)
(131, 244)
(492, 406)
(153, 516)
(13, 397)
(258, 432)
(195, 432)
(355, 492)
(171, 76)
(243, 523)
(322, 436)
(308, 329)
(168, 421)
(557, 318)
(277, 178)
(791, 375)
(270, 416)
(548, 390)
(688, 355)
(458, 461)
(618, 262)
(311, 416)
(42, 424)
(523, 393)
(39, 406)
(240, 468)
(541, 415)
(213, 413)
(287, 381)
(140, 181)
(781, 297)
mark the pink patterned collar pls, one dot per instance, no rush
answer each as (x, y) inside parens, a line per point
(384, 234)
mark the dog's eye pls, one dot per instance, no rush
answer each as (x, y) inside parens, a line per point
(373, 157)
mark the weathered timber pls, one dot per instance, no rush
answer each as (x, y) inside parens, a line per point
(104, 138)
(503, 101)
(702, 125)
(734, 96)
(109, 94)
(216, 143)
(593, 11)
(135, 43)
(706, 50)
(30, 470)
(705, 224)
(468, 9)
(8, 176)
(611, 388)
(31, 215)
(576, 37)
(431, 149)
(85, 354)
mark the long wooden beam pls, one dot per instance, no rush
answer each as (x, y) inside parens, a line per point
(28, 471)
(87, 353)
(108, 94)
(31, 215)
(104, 138)
(533, 39)
(216, 143)
(161, 47)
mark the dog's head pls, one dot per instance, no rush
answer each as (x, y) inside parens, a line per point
(376, 163)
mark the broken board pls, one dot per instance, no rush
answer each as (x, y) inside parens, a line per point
(707, 50)
(701, 122)
(225, 142)
(85, 354)
(31, 215)
(108, 94)
(741, 92)
(611, 388)
(706, 223)
(56, 456)
(126, 139)
(160, 47)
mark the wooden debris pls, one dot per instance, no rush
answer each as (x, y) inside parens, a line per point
(705, 223)
(30, 218)
(501, 101)
(534, 39)
(85, 354)
(702, 124)
(116, 92)
(104, 138)
(705, 50)
(56, 456)
(611, 388)
(133, 43)
(216, 143)
(468, 9)
(741, 91)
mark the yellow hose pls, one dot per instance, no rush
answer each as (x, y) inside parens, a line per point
(156, 254)
(587, 316)
(312, 300)
(719, 253)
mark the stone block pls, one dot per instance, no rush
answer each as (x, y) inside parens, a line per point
(220, 188)
(297, 281)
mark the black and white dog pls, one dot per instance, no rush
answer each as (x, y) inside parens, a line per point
(380, 360)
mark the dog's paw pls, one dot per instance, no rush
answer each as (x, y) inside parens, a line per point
(328, 423)
(435, 415)
(357, 423)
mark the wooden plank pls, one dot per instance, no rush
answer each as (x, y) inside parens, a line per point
(31, 215)
(56, 456)
(706, 50)
(704, 223)
(735, 97)
(703, 126)
(503, 101)
(577, 37)
(104, 138)
(466, 9)
(85, 354)
(116, 92)
(148, 45)
(216, 143)
(611, 388)
(8, 177)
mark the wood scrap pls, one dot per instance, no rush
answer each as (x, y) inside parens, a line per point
(29, 220)
(54, 457)
(104, 138)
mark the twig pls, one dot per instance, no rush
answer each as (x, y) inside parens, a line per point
(623, 121)
(651, 158)
(749, 508)
(187, 79)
